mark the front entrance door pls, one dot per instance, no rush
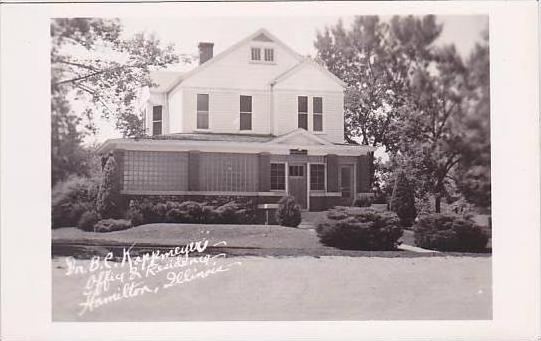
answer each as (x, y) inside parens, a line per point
(297, 183)
(346, 185)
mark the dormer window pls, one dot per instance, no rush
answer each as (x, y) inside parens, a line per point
(256, 54)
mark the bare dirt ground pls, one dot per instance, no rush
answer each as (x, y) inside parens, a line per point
(298, 288)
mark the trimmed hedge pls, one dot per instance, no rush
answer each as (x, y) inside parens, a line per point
(288, 212)
(194, 212)
(88, 220)
(449, 232)
(362, 202)
(360, 229)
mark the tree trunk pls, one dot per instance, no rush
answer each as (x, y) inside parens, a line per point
(438, 203)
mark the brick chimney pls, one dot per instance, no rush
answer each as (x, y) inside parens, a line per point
(205, 52)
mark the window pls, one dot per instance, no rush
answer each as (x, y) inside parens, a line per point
(157, 120)
(245, 112)
(296, 170)
(269, 55)
(318, 113)
(202, 111)
(278, 177)
(317, 177)
(256, 53)
(303, 112)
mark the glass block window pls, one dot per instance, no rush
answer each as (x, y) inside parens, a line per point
(202, 111)
(302, 109)
(155, 171)
(228, 172)
(318, 113)
(245, 112)
(278, 177)
(157, 120)
(317, 177)
(269, 55)
(256, 53)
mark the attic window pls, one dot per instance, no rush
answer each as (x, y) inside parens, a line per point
(269, 55)
(256, 53)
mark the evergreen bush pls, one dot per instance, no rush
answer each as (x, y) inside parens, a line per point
(108, 201)
(403, 200)
(288, 212)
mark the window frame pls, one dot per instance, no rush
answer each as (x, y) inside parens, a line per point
(256, 49)
(324, 189)
(155, 121)
(299, 113)
(285, 170)
(271, 54)
(245, 113)
(202, 112)
(315, 114)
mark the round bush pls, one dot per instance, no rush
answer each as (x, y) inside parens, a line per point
(362, 202)
(288, 212)
(70, 199)
(88, 220)
(449, 232)
(135, 216)
(360, 229)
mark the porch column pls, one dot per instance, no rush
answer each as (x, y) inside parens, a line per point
(193, 170)
(363, 174)
(264, 172)
(332, 173)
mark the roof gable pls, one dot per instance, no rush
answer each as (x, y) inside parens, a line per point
(307, 63)
(260, 35)
(300, 137)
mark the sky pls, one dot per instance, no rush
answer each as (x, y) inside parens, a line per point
(299, 34)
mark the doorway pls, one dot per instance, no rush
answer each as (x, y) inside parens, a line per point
(297, 183)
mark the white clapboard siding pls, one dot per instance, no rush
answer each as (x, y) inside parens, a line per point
(308, 77)
(236, 71)
(175, 112)
(224, 110)
(285, 112)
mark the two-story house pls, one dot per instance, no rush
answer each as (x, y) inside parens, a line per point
(257, 120)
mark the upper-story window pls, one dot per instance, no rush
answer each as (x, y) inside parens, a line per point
(302, 102)
(318, 113)
(269, 55)
(245, 112)
(202, 111)
(256, 54)
(157, 120)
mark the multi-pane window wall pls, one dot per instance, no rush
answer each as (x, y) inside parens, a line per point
(228, 172)
(202, 111)
(155, 171)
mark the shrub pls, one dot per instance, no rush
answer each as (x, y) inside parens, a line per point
(88, 220)
(193, 211)
(110, 225)
(403, 200)
(108, 201)
(362, 202)
(70, 199)
(288, 212)
(135, 216)
(158, 213)
(449, 232)
(360, 229)
(227, 213)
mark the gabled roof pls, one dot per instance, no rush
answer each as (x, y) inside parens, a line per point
(257, 34)
(306, 61)
(299, 132)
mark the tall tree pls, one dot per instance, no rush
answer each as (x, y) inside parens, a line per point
(93, 66)
(473, 172)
